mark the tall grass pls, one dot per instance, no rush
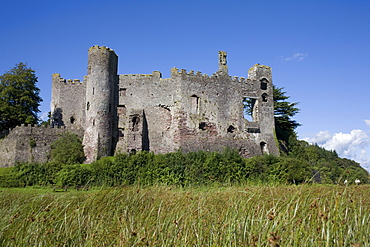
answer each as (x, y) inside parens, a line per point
(195, 216)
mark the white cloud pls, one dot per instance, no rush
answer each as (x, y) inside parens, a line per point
(320, 138)
(298, 56)
(367, 122)
(354, 145)
(44, 116)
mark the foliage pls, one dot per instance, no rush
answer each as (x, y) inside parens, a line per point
(9, 177)
(306, 164)
(67, 150)
(327, 164)
(74, 175)
(193, 216)
(19, 97)
(283, 113)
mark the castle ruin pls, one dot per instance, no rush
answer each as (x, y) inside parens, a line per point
(145, 112)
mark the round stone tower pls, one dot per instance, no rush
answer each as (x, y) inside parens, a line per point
(101, 88)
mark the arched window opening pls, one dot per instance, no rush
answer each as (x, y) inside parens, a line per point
(72, 120)
(264, 83)
(194, 104)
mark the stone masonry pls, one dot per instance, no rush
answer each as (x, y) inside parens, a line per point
(188, 111)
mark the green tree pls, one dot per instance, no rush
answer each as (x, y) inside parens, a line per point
(67, 150)
(19, 97)
(284, 111)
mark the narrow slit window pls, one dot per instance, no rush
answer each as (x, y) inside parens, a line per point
(135, 123)
(194, 104)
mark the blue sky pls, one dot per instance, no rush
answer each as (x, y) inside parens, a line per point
(318, 50)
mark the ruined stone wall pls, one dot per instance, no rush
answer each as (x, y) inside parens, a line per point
(146, 109)
(212, 113)
(194, 111)
(30, 144)
(68, 102)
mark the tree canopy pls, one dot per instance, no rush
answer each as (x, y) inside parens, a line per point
(19, 97)
(283, 113)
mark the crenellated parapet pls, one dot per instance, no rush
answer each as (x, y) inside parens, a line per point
(58, 79)
(155, 75)
(102, 48)
(191, 75)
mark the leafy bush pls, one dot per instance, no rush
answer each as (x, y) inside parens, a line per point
(67, 150)
(193, 168)
(9, 177)
(74, 175)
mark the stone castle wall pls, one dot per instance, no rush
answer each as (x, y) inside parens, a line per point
(30, 144)
(68, 102)
(147, 103)
(193, 111)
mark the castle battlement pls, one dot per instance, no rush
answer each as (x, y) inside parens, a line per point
(155, 74)
(183, 73)
(103, 48)
(59, 79)
(175, 72)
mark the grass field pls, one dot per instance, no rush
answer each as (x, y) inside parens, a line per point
(196, 216)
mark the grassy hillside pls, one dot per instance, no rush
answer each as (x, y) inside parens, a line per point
(198, 216)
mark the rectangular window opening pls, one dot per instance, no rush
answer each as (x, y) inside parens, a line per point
(249, 106)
